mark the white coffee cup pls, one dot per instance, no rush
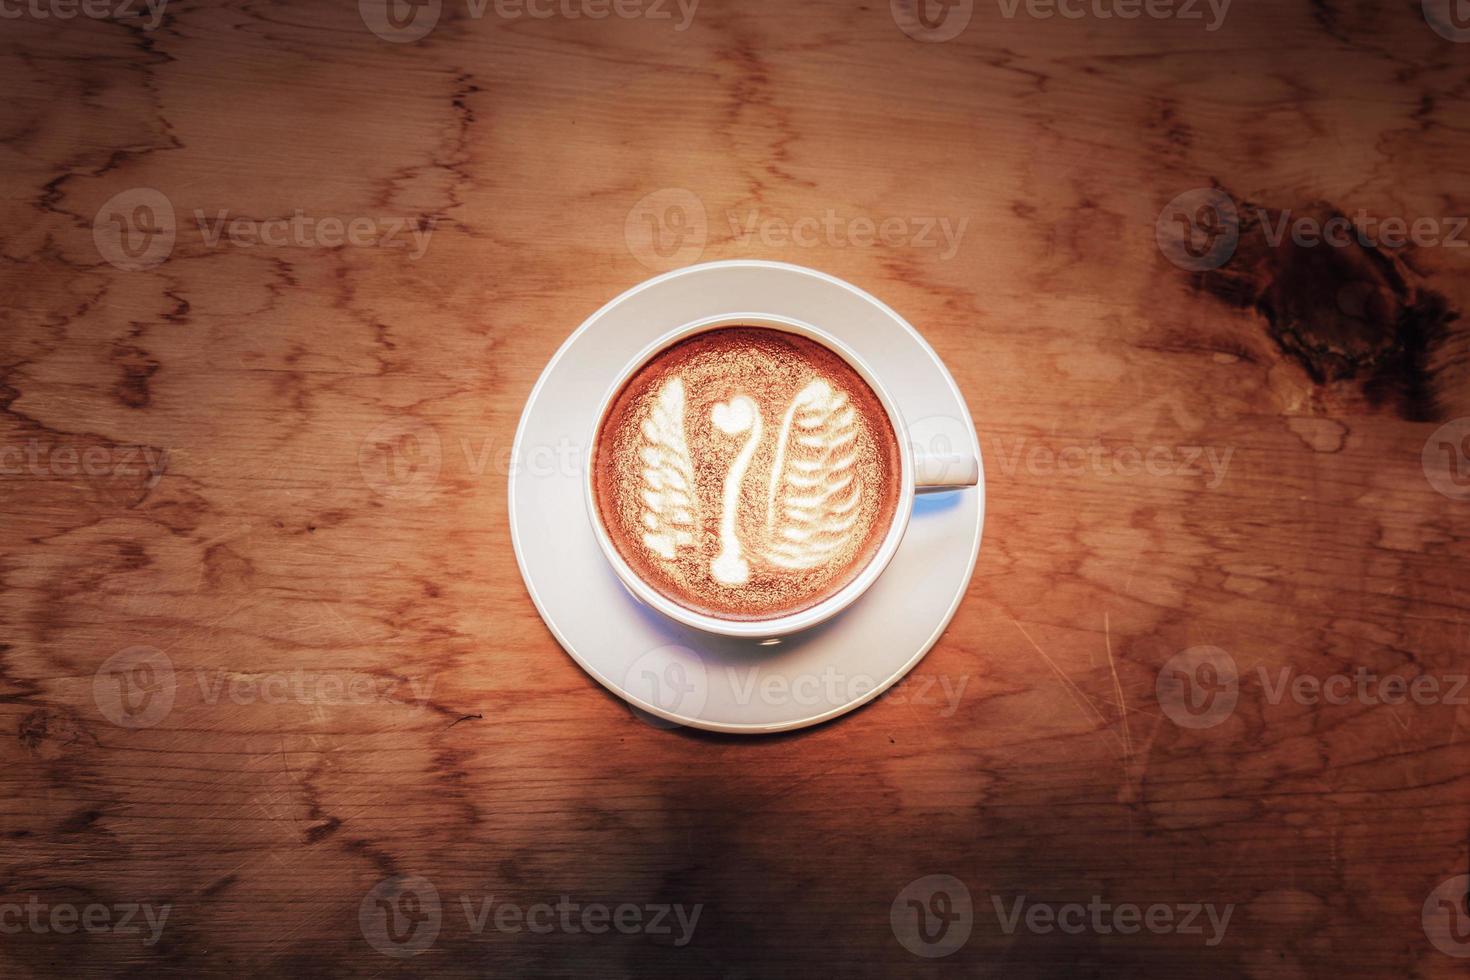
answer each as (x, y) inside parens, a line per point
(919, 472)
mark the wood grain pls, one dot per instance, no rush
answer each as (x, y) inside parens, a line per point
(361, 686)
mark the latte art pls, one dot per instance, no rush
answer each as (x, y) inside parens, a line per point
(746, 473)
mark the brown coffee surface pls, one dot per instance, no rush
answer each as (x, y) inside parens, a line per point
(746, 473)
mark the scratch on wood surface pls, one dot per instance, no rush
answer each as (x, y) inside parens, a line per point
(1118, 687)
(356, 633)
(1078, 697)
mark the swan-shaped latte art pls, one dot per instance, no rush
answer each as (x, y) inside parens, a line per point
(813, 493)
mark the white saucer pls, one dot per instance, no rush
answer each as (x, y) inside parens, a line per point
(720, 683)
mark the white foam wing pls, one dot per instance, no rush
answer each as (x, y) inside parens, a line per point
(812, 506)
(670, 520)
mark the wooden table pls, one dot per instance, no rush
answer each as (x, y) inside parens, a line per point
(264, 646)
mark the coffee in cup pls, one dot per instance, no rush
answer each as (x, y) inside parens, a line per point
(746, 473)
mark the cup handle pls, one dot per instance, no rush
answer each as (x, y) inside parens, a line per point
(934, 472)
